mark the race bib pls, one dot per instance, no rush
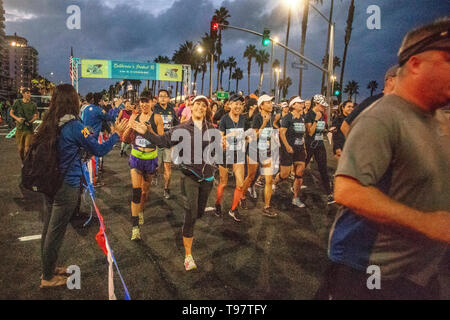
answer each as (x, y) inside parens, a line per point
(319, 129)
(264, 138)
(299, 127)
(141, 142)
(167, 120)
(298, 142)
(235, 138)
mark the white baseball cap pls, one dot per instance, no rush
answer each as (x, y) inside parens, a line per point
(200, 97)
(264, 98)
(295, 100)
(284, 105)
(320, 99)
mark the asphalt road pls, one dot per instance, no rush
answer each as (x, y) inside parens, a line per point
(259, 258)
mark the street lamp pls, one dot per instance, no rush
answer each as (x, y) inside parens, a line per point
(274, 40)
(277, 88)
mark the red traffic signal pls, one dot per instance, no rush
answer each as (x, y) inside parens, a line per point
(214, 27)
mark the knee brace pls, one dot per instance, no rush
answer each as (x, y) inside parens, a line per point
(137, 192)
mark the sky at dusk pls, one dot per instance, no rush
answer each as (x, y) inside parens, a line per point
(140, 30)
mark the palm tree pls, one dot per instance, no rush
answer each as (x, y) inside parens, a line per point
(351, 89)
(275, 64)
(250, 53)
(336, 64)
(348, 33)
(209, 45)
(328, 44)
(303, 39)
(284, 85)
(221, 17)
(203, 68)
(237, 75)
(373, 85)
(231, 62)
(221, 67)
(261, 58)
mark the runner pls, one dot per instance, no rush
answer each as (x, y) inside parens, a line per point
(232, 128)
(345, 108)
(143, 161)
(125, 114)
(260, 152)
(292, 150)
(198, 177)
(168, 114)
(315, 127)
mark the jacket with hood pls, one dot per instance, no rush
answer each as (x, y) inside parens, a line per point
(73, 137)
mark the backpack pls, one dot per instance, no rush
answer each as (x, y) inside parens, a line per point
(41, 173)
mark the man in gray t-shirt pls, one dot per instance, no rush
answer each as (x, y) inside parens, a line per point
(393, 179)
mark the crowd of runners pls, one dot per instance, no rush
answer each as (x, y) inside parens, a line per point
(379, 176)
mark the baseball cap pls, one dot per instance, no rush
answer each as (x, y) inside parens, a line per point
(295, 100)
(236, 97)
(284, 104)
(438, 40)
(253, 96)
(264, 98)
(26, 90)
(392, 72)
(320, 99)
(203, 98)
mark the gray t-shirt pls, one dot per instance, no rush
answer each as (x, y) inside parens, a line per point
(405, 152)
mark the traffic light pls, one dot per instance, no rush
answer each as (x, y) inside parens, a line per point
(266, 37)
(336, 89)
(214, 27)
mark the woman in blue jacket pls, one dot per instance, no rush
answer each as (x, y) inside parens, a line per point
(62, 127)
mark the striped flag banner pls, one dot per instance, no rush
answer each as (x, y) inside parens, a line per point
(102, 241)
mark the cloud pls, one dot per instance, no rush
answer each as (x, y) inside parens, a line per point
(117, 29)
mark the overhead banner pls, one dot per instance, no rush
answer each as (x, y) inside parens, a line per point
(170, 72)
(133, 70)
(95, 68)
(113, 69)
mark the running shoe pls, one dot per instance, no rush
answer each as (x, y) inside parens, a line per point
(269, 212)
(274, 187)
(296, 202)
(136, 234)
(252, 192)
(235, 215)
(303, 187)
(167, 193)
(141, 218)
(189, 263)
(243, 204)
(218, 211)
(330, 198)
(259, 183)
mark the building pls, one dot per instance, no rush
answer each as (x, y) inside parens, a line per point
(21, 63)
(5, 81)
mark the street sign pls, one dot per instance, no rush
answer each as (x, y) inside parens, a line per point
(222, 95)
(297, 65)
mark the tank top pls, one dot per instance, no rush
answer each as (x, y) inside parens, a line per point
(139, 140)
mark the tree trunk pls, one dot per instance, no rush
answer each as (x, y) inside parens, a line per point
(248, 69)
(261, 79)
(286, 44)
(203, 78)
(229, 79)
(303, 41)
(328, 46)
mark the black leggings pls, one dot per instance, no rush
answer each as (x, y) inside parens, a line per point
(197, 194)
(317, 149)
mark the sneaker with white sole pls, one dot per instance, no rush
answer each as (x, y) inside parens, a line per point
(135, 234)
(274, 187)
(252, 192)
(189, 263)
(167, 193)
(296, 202)
(235, 215)
(330, 199)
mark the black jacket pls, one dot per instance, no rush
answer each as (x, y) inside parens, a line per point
(202, 170)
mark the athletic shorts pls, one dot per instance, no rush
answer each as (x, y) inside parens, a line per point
(144, 162)
(165, 154)
(232, 158)
(287, 159)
